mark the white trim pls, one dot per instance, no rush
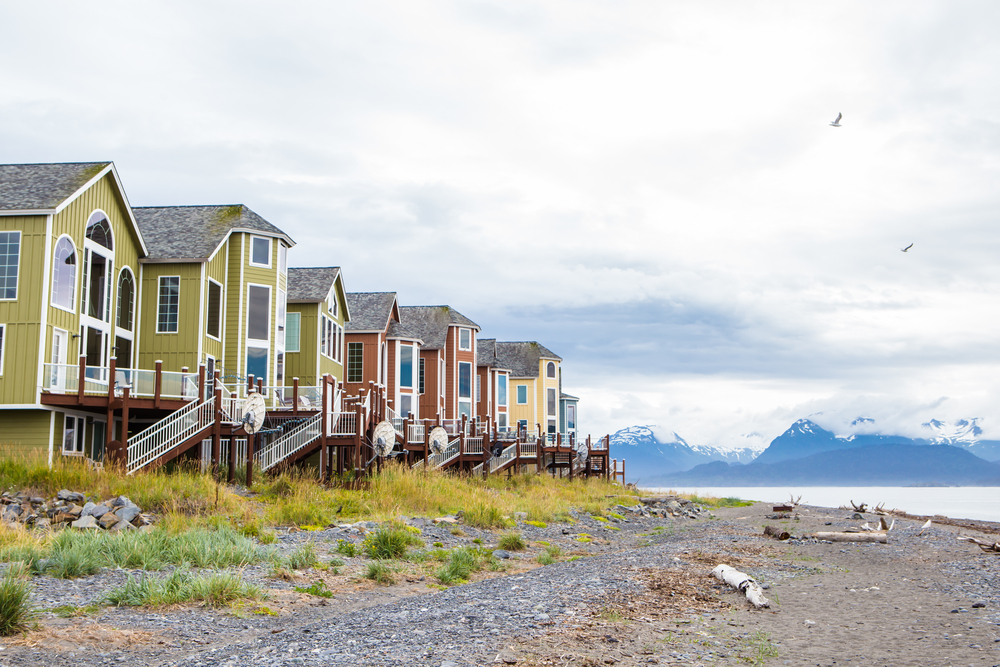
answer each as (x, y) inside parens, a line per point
(158, 280)
(50, 266)
(459, 341)
(240, 351)
(201, 314)
(130, 334)
(256, 342)
(225, 296)
(20, 247)
(256, 264)
(23, 213)
(44, 319)
(282, 246)
(222, 309)
(138, 316)
(110, 229)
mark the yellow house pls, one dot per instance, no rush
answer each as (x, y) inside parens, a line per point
(534, 385)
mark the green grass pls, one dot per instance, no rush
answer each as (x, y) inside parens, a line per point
(537, 524)
(215, 590)
(317, 589)
(346, 548)
(512, 542)
(303, 558)
(390, 543)
(486, 516)
(462, 563)
(380, 572)
(16, 611)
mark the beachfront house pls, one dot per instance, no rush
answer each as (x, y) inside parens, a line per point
(534, 384)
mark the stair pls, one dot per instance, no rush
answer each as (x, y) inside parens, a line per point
(441, 460)
(498, 463)
(289, 443)
(170, 436)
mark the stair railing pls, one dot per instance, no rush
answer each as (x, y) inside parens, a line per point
(155, 441)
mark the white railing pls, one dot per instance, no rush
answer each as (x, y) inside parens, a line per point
(224, 444)
(161, 437)
(473, 445)
(289, 443)
(343, 424)
(447, 456)
(600, 445)
(65, 378)
(232, 409)
(529, 450)
(506, 456)
(397, 421)
(416, 433)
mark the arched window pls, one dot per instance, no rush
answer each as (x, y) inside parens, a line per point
(126, 300)
(64, 273)
(550, 370)
(99, 230)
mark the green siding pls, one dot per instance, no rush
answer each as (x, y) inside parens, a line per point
(21, 316)
(27, 428)
(216, 269)
(180, 349)
(233, 299)
(302, 364)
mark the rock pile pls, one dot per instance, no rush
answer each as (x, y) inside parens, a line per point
(70, 508)
(669, 506)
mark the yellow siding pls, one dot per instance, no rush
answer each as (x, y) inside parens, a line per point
(517, 412)
(180, 349)
(28, 429)
(21, 316)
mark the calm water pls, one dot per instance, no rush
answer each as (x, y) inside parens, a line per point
(957, 502)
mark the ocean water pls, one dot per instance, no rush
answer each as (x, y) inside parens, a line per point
(957, 502)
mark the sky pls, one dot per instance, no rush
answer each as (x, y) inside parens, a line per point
(650, 189)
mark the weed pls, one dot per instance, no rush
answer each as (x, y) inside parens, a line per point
(545, 559)
(612, 528)
(267, 537)
(347, 548)
(486, 516)
(542, 542)
(380, 572)
(537, 524)
(461, 564)
(477, 541)
(390, 542)
(216, 590)
(75, 611)
(599, 518)
(336, 562)
(16, 610)
(512, 542)
(317, 589)
(456, 531)
(612, 615)
(761, 647)
(553, 551)
(573, 558)
(615, 515)
(439, 544)
(303, 558)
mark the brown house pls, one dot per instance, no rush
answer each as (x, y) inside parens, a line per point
(492, 385)
(366, 336)
(448, 361)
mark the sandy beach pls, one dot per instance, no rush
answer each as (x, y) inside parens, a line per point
(630, 591)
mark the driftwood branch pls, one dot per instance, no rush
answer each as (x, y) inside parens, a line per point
(776, 533)
(874, 536)
(743, 583)
(988, 547)
(859, 508)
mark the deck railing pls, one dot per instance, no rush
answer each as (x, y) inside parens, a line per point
(529, 450)
(289, 443)
(65, 379)
(343, 424)
(416, 433)
(397, 421)
(437, 460)
(498, 462)
(161, 437)
(473, 445)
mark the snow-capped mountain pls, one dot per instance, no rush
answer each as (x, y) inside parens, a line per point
(649, 450)
(964, 433)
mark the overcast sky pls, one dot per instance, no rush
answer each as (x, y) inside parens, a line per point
(650, 189)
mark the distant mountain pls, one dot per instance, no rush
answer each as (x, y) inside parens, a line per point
(883, 464)
(646, 454)
(805, 438)
(965, 434)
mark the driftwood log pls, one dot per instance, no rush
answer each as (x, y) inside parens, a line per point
(988, 547)
(742, 582)
(875, 536)
(776, 533)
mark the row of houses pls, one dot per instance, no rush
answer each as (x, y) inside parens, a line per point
(118, 322)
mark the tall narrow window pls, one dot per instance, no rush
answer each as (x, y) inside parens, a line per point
(355, 362)
(421, 375)
(280, 341)
(328, 337)
(405, 405)
(260, 251)
(213, 317)
(293, 322)
(464, 379)
(126, 300)
(406, 366)
(550, 370)
(465, 339)
(168, 304)
(3, 330)
(571, 417)
(73, 431)
(64, 274)
(479, 387)
(10, 260)
(551, 402)
(282, 258)
(522, 394)
(258, 330)
(501, 390)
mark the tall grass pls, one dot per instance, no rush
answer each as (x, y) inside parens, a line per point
(215, 590)
(16, 610)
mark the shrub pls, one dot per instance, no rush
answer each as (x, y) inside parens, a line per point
(216, 590)
(545, 559)
(16, 610)
(380, 573)
(388, 543)
(537, 524)
(512, 542)
(347, 548)
(461, 564)
(317, 589)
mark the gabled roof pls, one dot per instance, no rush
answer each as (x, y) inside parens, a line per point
(397, 330)
(486, 354)
(43, 187)
(372, 311)
(431, 323)
(311, 284)
(194, 233)
(522, 357)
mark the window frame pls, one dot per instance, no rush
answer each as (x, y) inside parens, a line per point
(76, 275)
(421, 377)
(503, 383)
(298, 331)
(410, 350)
(79, 435)
(328, 337)
(159, 295)
(458, 392)
(360, 363)
(130, 324)
(467, 348)
(253, 240)
(517, 392)
(208, 300)
(551, 402)
(17, 276)
(551, 366)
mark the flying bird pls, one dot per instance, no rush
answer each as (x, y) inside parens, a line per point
(907, 248)
(836, 123)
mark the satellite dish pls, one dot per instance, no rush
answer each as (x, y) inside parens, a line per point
(582, 453)
(438, 440)
(254, 411)
(384, 438)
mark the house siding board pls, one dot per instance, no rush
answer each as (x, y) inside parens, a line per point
(28, 429)
(175, 350)
(302, 364)
(527, 411)
(235, 324)
(20, 355)
(217, 269)
(370, 357)
(430, 398)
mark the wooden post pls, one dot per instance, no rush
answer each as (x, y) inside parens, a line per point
(251, 443)
(295, 397)
(158, 384)
(109, 430)
(217, 432)
(427, 445)
(82, 379)
(249, 382)
(201, 384)
(358, 426)
(231, 474)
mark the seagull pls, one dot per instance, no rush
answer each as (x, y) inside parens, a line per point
(836, 123)
(906, 248)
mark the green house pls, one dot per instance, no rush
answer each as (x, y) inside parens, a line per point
(317, 314)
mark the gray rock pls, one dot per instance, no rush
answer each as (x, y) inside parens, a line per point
(86, 522)
(127, 513)
(37, 501)
(108, 520)
(86, 509)
(122, 501)
(122, 525)
(97, 511)
(501, 554)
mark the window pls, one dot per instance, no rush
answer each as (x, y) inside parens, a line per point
(551, 395)
(522, 394)
(280, 340)
(260, 251)
(479, 387)
(552, 426)
(502, 390)
(465, 339)
(522, 424)
(73, 435)
(550, 369)
(214, 316)
(421, 376)
(355, 359)
(282, 258)
(98, 292)
(10, 255)
(293, 322)
(99, 230)
(168, 304)
(258, 312)
(502, 421)
(464, 379)
(406, 366)
(331, 301)
(405, 405)
(3, 330)
(279, 369)
(328, 337)
(64, 274)
(257, 362)
(126, 300)
(571, 417)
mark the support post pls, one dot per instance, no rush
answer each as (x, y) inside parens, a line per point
(323, 453)
(82, 378)
(231, 474)
(295, 397)
(157, 383)
(251, 445)
(201, 384)
(217, 433)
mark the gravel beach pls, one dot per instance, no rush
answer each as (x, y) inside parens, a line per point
(632, 591)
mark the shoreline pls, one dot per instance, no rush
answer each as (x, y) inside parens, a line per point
(634, 591)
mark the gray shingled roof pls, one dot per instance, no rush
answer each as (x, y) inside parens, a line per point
(194, 232)
(568, 397)
(522, 357)
(370, 311)
(397, 330)
(311, 284)
(431, 323)
(43, 186)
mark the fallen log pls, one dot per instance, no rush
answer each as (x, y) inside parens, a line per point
(776, 533)
(742, 582)
(782, 508)
(876, 536)
(988, 547)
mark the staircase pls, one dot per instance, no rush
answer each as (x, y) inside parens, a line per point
(167, 437)
(435, 461)
(289, 443)
(498, 463)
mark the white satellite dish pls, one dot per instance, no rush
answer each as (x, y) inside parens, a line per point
(254, 411)
(384, 438)
(438, 440)
(582, 453)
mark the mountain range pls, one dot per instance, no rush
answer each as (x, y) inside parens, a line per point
(807, 454)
